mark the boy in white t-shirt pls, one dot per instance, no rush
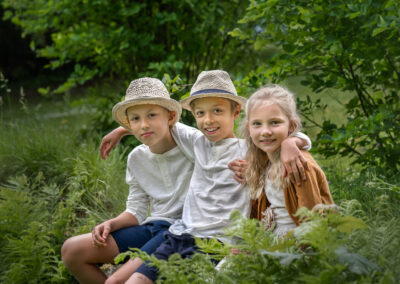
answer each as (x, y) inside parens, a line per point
(213, 192)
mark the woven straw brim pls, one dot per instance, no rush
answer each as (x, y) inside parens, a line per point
(187, 101)
(120, 115)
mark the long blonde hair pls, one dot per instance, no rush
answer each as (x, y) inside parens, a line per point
(258, 160)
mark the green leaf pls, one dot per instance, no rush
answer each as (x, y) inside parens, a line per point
(350, 223)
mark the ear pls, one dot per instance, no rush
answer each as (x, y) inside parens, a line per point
(171, 117)
(237, 111)
(292, 126)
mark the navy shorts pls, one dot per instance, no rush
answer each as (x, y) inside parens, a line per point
(184, 245)
(147, 237)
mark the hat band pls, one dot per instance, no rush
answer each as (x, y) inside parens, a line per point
(208, 91)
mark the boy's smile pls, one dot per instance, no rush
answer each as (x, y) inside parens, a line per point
(215, 118)
(268, 126)
(151, 125)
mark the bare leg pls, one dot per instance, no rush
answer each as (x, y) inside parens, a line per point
(80, 256)
(124, 272)
(139, 278)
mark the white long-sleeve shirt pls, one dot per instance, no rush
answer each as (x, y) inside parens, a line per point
(161, 181)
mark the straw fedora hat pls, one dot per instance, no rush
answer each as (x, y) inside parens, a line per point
(214, 83)
(145, 91)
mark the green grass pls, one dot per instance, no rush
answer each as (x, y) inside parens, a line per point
(53, 184)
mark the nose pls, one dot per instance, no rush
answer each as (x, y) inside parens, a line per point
(144, 124)
(208, 118)
(266, 131)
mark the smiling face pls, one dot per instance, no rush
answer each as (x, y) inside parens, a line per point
(268, 126)
(151, 125)
(215, 117)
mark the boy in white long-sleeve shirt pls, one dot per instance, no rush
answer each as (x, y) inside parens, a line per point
(213, 192)
(158, 173)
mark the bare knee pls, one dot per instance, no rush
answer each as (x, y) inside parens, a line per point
(114, 279)
(139, 278)
(67, 251)
(72, 251)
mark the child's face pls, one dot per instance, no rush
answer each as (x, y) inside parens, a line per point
(268, 126)
(215, 118)
(151, 125)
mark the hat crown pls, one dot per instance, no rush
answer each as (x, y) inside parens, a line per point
(215, 79)
(146, 88)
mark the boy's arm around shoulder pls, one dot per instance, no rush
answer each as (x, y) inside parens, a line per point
(185, 137)
(111, 140)
(292, 159)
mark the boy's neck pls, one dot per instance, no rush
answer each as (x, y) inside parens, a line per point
(166, 145)
(223, 139)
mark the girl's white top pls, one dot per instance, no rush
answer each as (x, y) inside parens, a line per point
(283, 221)
(161, 181)
(213, 193)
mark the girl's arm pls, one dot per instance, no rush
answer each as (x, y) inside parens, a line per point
(111, 140)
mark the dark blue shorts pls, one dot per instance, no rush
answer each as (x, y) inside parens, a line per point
(184, 245)
(147, 237)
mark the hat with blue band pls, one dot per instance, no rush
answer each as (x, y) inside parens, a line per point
(214, 83)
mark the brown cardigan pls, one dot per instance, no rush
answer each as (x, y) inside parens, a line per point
(313, 191)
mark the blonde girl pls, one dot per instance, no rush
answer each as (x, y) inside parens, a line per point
(271, 117)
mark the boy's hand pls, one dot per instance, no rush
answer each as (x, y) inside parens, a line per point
(238, 167)
(293, 161)
(100, 234)
(111, 140)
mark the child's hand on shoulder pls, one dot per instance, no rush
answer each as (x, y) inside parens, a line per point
(238, 167)
(293, 161)
(111, 140)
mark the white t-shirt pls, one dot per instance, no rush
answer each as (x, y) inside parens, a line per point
(161, 181)
(213, 193)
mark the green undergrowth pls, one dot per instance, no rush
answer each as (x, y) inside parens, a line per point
(53, 185)
(346, 246)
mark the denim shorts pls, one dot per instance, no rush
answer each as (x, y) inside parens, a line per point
(184, 244)
(146, 237)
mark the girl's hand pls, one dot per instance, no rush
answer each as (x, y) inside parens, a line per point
(293, 161)
(111, 140)
(100, 234)
(238, 167)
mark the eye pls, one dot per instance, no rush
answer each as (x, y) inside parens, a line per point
(199, 113)
(275, 122)
(255, 123)
(135, 118)
(151, 115)
(217, 110)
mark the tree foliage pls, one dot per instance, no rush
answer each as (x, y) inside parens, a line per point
(128, 39)
(348, 45)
